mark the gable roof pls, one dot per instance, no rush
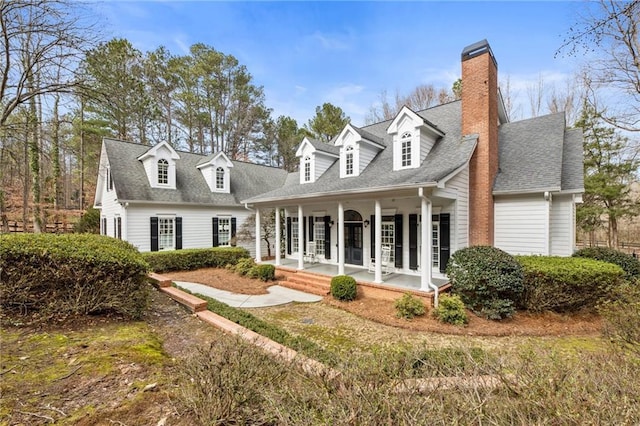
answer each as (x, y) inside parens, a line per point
(132, 184)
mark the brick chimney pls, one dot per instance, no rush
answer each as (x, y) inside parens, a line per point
(480, 116)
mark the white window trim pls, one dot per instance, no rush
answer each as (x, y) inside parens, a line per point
(158, 183)
(226, 219)
(172, 218)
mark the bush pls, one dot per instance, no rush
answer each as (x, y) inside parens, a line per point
(244, 266)
(487, 279)
(409, 306)
(264, 272)
(627, 262)
(73, 274)
(89, 222)
(451, 310)
(190, 259)
(566, 284)
(343, 287)
(621, 317)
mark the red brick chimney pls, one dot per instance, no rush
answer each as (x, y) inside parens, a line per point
(480, 116)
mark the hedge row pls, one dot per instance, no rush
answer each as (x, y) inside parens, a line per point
(59, 275)
(190, 259)
(627, 262)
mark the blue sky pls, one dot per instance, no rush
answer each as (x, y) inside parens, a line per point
(347, 53)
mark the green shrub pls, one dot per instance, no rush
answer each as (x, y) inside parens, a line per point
(343, 287)
(244, 266)
(263, 272)
(409, 307)
(451, 310)
(190, 259)
(627, 262)
(89, 222)
(621, 317)
(487, 279)
(74, 274)
(566, 284)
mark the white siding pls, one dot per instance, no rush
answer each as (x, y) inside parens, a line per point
(459, 210)
(366, 155)
(426, 143)
(520, 224)
(562, 225)
(322, 163)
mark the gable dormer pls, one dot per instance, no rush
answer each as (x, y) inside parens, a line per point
(357, 148)
(160, 165)
(413, 138)
(315, 158)
(216, 170)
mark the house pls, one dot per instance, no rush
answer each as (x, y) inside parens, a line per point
(428, 183)
(160, 199)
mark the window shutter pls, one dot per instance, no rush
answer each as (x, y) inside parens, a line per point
(413, 241)
(288, 235)
(154, 234)
(303, 238)
(311, 228)
(119, 227)
(445, 240)
(178, 233)
(115, 228)
(215, 232)
(233, 227)
(372, 227)
(398, 238)
(327, 237)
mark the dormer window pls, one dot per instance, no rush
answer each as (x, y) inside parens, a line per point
(307, 169)
(348, 158)
(405, 140)
(163, 172)
(220, 178)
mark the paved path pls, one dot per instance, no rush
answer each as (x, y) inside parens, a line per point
(277, 295)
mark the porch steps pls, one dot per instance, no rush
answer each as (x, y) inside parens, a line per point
(305, 281)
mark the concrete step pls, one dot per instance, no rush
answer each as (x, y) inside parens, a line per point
(313, 288)
(309, 279)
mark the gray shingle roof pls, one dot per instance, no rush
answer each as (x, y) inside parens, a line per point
(324, 147)
(573, 161)
(131, 183)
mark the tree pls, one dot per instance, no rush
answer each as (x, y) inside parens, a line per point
(327, 123)
(247, 230)
(608, 175)
(421, 97)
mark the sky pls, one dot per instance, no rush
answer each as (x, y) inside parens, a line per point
(347, 53)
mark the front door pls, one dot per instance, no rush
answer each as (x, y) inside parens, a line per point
(353, 243)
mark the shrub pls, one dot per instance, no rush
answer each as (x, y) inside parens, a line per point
(487, 279)
(264, 272)
(190, 259)
(627, 262)
(89, 222)
(244, 266)
(343, 287)
(621, 317)
(566, 284)
(451, 310)
(409, 306)
(73, 274)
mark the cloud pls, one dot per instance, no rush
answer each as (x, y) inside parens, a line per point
(300, 90)
(332, 42)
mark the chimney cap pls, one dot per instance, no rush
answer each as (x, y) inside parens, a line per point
(476, 49)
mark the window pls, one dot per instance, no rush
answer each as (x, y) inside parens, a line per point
(389, 235)
(224, 231)
(318, 235)
(435, 245)
(219, 178)
(163, 172)
(295, 236)
(166, 233)
(348, 158)
(307, 169)
(109, 180)
(103, 230)
(406, 149)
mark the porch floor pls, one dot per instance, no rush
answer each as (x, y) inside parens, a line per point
(396, 280)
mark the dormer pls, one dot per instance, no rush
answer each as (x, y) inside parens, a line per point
(160, 165)
(357, 148)
(216, 170)
(315, 158)
(413, 138)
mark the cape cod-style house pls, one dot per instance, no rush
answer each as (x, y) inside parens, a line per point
(399, 195)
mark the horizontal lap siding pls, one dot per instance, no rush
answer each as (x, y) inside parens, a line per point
(520, 224)
(459, 217)
(561, 226)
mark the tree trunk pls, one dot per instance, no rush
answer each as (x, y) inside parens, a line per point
(613, 232)
(81, 153)
(55, 153)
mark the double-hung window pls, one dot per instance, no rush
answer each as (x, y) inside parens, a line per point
(219, 178)
(224, 231)
(295, 236)
(166, 233)
(348, 158)
(307, 169)
(318, 234)
(388, 226)
(163, 172)
(405, 153)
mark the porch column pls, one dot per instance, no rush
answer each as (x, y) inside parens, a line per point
(340, 239)
(278, 256)
(425, 255)
(378, 243)
(300, 238)
(258, 239)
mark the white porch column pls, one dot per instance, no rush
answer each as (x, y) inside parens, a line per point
(425, 255)
(300, 238)
(340, 239)
(258, 239)
(278, 256)
(378, 243)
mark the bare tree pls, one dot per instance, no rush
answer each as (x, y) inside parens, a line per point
(421, 97)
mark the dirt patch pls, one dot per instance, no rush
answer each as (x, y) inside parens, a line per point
(222, 279)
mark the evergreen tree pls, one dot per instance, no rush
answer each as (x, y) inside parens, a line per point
(327, 123)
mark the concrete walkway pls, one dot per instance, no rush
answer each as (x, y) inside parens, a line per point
(277, 295)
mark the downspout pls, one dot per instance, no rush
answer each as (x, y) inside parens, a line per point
(429, 283)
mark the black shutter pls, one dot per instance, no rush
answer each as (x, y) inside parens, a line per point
(178, 233)
(115, 228)
(233, 227)
(373, 236)
(119, 227)
(445, 240)
(413, 241)
(288, 235)
(154, 234)
(303, 240)
(311, 218)
(398, 238)
(327, 237)
(215, 232)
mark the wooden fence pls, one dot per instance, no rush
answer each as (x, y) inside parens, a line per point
(53, 227)
(631, 248)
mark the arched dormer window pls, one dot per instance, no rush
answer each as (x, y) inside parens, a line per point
(307, 169)
(348, 161)
(220, 178)
(163, 172)
(405, 149)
